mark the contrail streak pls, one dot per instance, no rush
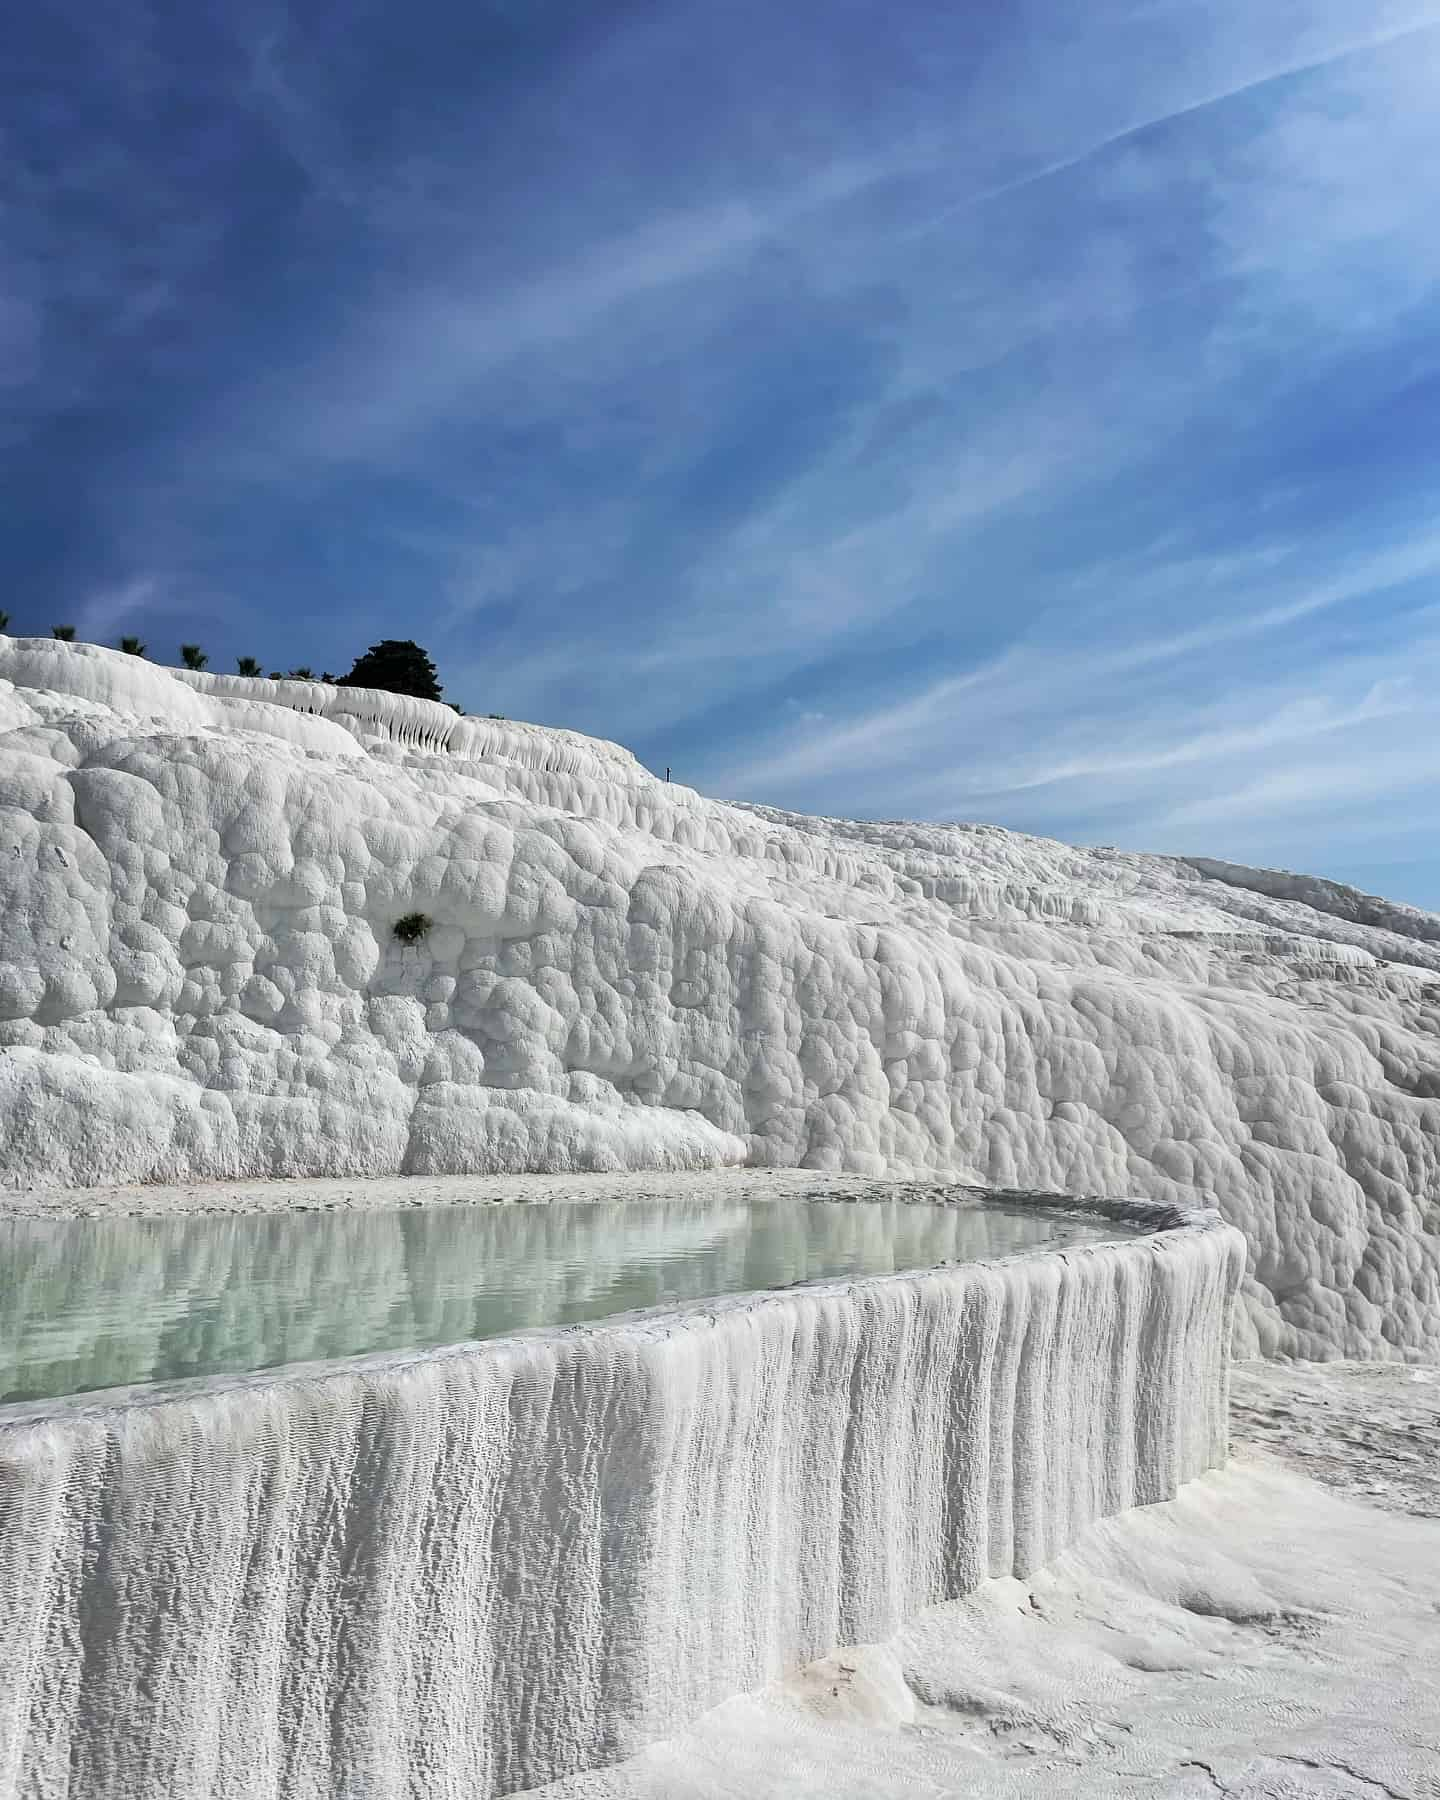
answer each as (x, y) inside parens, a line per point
(1358, 48)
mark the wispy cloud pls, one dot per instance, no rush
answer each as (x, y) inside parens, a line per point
(879, 523)
(1143, 740)
(427, 353)
(1307, 63)
(1008, 392)
(105, 610)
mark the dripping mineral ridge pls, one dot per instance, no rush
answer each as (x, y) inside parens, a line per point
(993, 1501)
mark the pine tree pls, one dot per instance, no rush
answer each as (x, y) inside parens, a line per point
(396, 666)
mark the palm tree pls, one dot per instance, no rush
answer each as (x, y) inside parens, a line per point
(4, 622)
(132, 646)
(247, 665)
(301, 674)
(65, 634)
(193, 656)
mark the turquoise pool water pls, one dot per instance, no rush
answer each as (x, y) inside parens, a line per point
(88, 1304)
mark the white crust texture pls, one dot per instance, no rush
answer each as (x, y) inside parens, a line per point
(453, 1575)
(200, 981)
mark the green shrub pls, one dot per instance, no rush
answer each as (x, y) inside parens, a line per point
(412, 927)
(396, 666)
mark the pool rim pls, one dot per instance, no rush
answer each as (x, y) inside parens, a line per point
(1153, 1224)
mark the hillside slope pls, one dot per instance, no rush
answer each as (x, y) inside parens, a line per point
(199, 877)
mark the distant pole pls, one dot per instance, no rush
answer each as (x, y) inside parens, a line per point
(667, 771)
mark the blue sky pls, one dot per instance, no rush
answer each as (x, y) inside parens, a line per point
(1027, 413)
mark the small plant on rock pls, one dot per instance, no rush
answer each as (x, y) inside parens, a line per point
(412, 927)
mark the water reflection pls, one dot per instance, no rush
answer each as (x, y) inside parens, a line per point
(90, 1303)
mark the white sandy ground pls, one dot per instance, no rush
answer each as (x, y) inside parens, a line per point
(1371, 1430)
(1260, 1637)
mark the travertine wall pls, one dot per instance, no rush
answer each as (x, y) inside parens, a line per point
(198, 980)
(455, 1575)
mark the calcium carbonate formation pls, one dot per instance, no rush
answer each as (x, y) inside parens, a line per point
(454, 1575)
(199, 978)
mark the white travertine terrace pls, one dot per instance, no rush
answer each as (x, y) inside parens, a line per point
(457, 1574)
(198, 980)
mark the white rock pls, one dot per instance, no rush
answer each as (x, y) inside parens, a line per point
(643, 978)
(1257, 1636)
(457, 1572)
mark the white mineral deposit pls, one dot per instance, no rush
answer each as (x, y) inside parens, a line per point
(200, 981)
(992, 1521)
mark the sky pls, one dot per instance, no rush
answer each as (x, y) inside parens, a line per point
(885, 408)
